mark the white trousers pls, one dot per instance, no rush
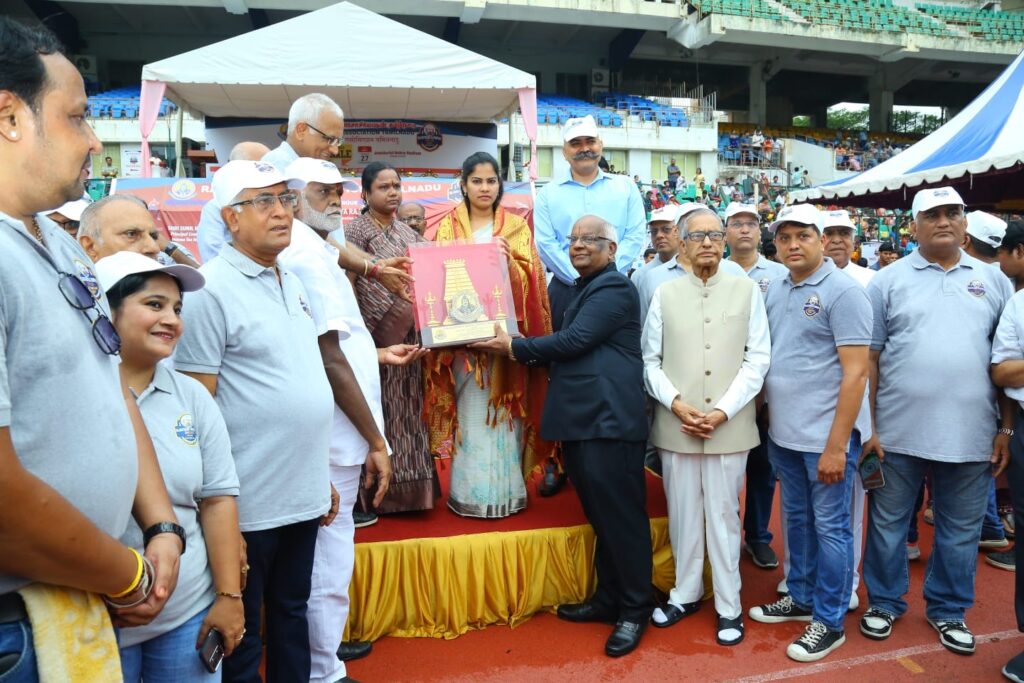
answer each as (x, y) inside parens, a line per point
(857, 506)
(703, 495)
(332, 573)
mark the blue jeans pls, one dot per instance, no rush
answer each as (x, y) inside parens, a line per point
(169, 658)
(818, 527)
(759, 492)
(959, 498)
(992, 527)
(17, 653)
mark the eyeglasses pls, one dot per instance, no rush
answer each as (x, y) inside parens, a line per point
(663, 230)
(266, 201)
(79, 296)
(714, 236)
(333, 142)
(741, 225)
(588, 240)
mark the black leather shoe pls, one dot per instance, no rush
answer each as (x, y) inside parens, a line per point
(586, 611)
(553, 481)
(354, 649)
(347, 679)
(624, 638)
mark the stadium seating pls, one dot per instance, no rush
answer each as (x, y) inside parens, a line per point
(557, 109)
(757, 9)
(122, 103)
(980, 23)
(867, 15)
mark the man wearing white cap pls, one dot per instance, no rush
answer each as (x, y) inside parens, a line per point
(820, 322)
(664, 238)
(357, 432)
(837, 232)
(935, 312)
(672, 268)
(984, 235)
(584, 189)
(743, 234)
(68, 216)
(251, 340)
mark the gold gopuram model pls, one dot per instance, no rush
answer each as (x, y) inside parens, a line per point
(465, 318)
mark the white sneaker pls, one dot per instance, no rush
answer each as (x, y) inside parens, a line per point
(954, 636)
(782, 588)
(854, 602)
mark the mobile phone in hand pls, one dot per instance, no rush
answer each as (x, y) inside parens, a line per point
(870, 470)
(212, 651)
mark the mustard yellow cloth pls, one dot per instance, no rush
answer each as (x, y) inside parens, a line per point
(72, 634)
(444, 587)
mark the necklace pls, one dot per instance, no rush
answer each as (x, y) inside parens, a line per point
(36, 231)
(380, 224)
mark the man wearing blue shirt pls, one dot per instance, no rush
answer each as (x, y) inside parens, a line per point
(585, 189)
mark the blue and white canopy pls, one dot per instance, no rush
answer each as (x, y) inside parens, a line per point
(987, 137)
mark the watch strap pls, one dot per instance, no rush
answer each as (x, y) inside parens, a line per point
(164, 528)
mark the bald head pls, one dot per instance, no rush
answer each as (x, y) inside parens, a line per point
(597, 226)
(248, 151)
(592, 245)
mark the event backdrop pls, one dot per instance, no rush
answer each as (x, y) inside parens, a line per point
(177, 202)
(413, 146)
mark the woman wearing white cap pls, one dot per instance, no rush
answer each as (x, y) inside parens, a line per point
(195, 458)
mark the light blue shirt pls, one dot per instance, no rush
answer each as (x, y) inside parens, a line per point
(764, 271)
(564, 201)
(666, 272)
(808, 321)
(211, 233)
(1009, 340)
(934, 329)
(281, 156)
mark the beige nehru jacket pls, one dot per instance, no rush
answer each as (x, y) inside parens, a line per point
(706, 334)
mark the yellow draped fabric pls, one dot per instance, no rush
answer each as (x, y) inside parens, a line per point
(516, 391)
(444, 587)
(72, 635)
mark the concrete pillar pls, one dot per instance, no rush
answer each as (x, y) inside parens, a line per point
(819, 116)
(780, 111)
(880, 101)
(758, 107)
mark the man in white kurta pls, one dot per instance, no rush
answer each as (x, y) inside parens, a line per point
(706, 352)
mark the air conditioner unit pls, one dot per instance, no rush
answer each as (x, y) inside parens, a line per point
(86, 65)
(599, 78)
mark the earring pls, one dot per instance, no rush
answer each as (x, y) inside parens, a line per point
(14, 135)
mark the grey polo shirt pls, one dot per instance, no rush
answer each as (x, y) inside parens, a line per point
(934, 329)
(60, 396)
(808, 322)
(1009, 340)
(194, 452)
(258, 336)
(666, 272)
(281, 156)
(764, 271)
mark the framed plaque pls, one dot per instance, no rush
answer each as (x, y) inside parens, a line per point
(460, 292)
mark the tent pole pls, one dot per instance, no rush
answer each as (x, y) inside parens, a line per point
(510, 172)
(179, 168)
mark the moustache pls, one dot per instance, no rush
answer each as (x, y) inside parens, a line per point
(585, 155)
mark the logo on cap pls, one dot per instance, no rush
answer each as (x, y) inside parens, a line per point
(976, 288)
(812, 306)
(185, 429)
(88, 278)
(940, 193)
(264, 167)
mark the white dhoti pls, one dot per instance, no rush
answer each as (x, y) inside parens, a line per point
(703, 495)
(332, 572)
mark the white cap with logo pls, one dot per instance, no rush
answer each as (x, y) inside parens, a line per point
(805, 214)
(666, 213)
(72, 210)
(112, 269)
(309, 170)
(736, 208)
(684, 210)
(583, 127)
(836, 219)
(238, 175)
(935, 196)
(986, 227)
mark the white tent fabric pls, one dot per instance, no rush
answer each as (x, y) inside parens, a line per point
(988, 135)
(372, 66)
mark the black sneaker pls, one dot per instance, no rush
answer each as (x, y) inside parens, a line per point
(361, 519)
(1014, 669)
(762, 555)
(991, 540)
(1004, 559)
(779, 611)
(816, 642)
(954, 636)
(876, 624)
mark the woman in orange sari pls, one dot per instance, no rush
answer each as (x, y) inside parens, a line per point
(483, 410)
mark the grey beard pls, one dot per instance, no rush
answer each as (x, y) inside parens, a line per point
(319, 220)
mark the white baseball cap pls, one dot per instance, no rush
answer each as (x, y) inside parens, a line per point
(986, 227)
(936, 196)
(309, 170)
(584, 127)
(836, 219)
(683, 210)
(667, 213)
(112, 269)
(805, 214)
(736, 208)
(72, 210)
(235, 176)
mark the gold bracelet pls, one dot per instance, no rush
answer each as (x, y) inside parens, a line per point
(366, 267)
(225, 594)
(511, 355)
(135, 582)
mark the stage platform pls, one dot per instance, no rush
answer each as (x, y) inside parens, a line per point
(435, 574)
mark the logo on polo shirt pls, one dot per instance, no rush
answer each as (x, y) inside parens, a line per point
(88, 278)
(763, 284)
(812, 306)
(185, 429)
(976, 288)
(305, 306)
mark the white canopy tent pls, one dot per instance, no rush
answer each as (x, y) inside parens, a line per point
(372, 66)
(980, 151)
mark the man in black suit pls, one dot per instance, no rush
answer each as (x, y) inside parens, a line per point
(595, 407)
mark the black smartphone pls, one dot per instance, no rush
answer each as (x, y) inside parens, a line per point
(870, 469)
(212, 651)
